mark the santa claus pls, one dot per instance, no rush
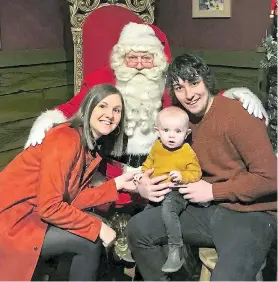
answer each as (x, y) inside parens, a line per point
(138, 65)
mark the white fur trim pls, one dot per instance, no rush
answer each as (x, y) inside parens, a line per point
(42, 124)
(230, 92)
(51, 116)
(138, 34)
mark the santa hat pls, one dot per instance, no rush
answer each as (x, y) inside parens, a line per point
(163, 39)
(139, 34)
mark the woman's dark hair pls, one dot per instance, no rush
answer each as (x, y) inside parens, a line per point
(111, 143)
(191, 68)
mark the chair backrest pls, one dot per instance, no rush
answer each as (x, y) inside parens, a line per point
(96, 28)
(101, 32)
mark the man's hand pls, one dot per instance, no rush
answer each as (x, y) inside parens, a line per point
(249, 101)
(107, 234)
(175, 176)
(151, 189)
(197, 192)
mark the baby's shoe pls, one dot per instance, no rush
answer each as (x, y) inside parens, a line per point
(174, 261)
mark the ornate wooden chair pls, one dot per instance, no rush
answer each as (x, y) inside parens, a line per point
(96, 26)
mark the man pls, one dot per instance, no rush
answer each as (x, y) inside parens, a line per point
(239, 176)
(139, 61)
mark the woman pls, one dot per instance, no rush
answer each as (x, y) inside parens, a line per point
(45, 188)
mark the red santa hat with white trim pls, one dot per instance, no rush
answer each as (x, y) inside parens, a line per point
(145, 35)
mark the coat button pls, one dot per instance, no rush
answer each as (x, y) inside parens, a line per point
(36, 248)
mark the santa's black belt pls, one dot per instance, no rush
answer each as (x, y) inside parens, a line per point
(133, 160)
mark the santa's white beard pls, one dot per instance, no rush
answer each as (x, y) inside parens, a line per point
(142, 98)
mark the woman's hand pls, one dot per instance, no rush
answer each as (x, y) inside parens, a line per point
(107, 235)
(151, 189)
(125, 181)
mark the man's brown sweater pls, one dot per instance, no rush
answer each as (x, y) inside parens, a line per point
(236, 156)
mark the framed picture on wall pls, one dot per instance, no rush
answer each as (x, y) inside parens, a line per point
(211, 8)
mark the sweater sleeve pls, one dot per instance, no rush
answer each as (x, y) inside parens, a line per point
(58, 152)
(89, 197)
(248, 139)
(148, 164)
(192, 171)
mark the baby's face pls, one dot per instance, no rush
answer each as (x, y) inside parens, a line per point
(173, 131)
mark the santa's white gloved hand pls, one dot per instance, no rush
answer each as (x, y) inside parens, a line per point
(249, 101)
(42, 124)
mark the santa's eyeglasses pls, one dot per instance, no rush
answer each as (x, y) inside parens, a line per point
(145, 60)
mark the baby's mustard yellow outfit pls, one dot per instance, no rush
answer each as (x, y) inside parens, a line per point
(183, 159)
(163, 161)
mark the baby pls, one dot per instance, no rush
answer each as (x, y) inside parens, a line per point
(171, 156)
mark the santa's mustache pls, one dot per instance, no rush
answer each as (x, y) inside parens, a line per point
(125, 73)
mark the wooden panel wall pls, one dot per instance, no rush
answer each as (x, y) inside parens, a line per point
(30, 82)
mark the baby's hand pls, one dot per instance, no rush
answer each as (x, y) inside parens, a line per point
(175, 176)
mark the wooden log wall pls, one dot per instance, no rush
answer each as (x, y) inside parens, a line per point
(31, 81)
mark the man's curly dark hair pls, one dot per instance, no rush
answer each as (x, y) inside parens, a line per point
(191, 68)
